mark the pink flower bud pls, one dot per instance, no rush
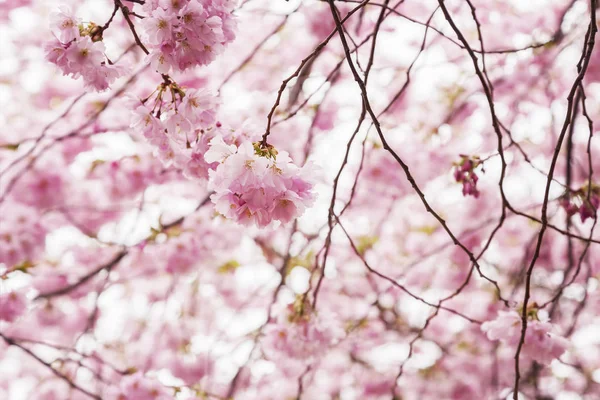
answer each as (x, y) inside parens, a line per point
(467, 166)
(586, 211)
(12, 306)
(458, 175)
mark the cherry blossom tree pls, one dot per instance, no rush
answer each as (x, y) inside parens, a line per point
(304, 199)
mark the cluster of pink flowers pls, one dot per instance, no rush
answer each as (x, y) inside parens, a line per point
(185, 253)
(21, 236)
(44, 187)
(320, 22)
(196, 166)
(298, 340)
(186, 33)
(12, 306)
(587, 204)
(128, 176)
(139, 387)
(78, 51)
(301, 336)
(251, 185)
(174, 126)
(464, 172)
(540, 344)
(256, 186)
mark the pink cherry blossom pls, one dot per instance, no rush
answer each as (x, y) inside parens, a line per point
(80, 56)
(21, 236)
(186, 34)
(464, 172)
(138, 387)
(219, 199)
(12, 306)
(65, 23)
(541, 343)
(301, 339)
(254, 188)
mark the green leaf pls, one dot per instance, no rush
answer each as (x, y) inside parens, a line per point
(10, 146)
(229, 266)
(24, 266)
(366, 243)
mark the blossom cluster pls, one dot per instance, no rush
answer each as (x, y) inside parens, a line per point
(138, 387)
(118, 271)
(12, 305)
(464, 172)
(300, 333)
(127, 176)
(78, 51)
(541, 344)
(21, 236)
(186, 33)
(256, 186)
(579, 202)
(251, 184)
(173, 120)
(194, 243)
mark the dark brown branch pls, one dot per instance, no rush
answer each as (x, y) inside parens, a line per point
(583, 62)
(126, 12)
(314, 53)
(398, 159)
